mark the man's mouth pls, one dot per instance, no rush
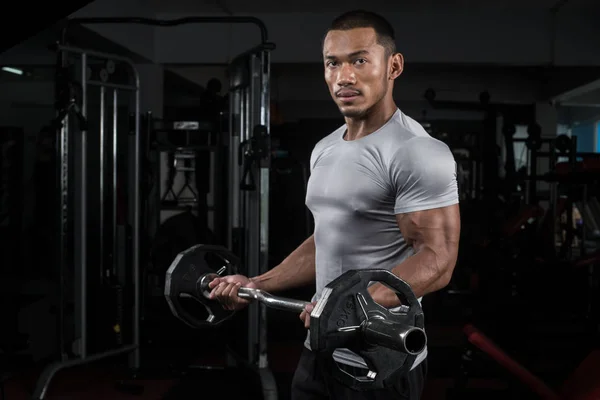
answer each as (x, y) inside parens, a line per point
(347, 95)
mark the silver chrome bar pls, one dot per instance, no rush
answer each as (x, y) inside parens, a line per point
(271, 301)
(82, 263)
(265, 189)
(102, 180)
(113, 269)
(94, 53)
(251, 215)
(65, 204)
(136, 225)
(112, 85)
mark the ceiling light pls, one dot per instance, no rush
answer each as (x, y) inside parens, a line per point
(12, 70)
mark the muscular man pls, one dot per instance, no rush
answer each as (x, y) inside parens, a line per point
(383, 194)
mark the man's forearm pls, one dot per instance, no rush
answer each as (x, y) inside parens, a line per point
(423, 271)
(298, 269)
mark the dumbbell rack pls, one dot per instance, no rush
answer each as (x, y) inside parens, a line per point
(563, 150)
(555, 148)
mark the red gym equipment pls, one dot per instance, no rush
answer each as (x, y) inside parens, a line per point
(582, 384)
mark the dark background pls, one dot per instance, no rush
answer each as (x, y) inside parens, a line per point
(476, 76)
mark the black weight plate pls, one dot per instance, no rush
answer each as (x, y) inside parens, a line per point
(337, 318)
(563, 143)
(183, 281)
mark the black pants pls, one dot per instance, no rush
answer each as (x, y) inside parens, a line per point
(311, 382)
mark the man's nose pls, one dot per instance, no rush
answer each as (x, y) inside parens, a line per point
(346, 75)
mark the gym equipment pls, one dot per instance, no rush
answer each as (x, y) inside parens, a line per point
(563, 144)
(534, 139)
(587, 168)
(345, 317)
(84, 257)
(187, 145)
(464, 140)
(248, 210)
(562, 179)
(252, 151)
(487, 151)
(171, 198)
(249, 106)
(346, 314)
(177, 233)
(189, 275)
(582, 384)
(194, 152)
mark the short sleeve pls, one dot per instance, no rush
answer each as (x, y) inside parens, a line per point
(317, 152)
(423, 174)
(314, 155)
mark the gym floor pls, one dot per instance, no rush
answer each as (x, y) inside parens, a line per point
(100, 381)
(550, 349)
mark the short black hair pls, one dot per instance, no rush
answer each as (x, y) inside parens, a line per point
(367, 19)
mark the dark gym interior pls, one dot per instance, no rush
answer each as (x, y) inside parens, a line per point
(133, 130)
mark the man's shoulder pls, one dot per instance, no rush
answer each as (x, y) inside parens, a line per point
(404, 128)
(399, 135)
(407, 141)
(329, 139)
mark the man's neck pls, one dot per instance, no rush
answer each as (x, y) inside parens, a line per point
(360, 127)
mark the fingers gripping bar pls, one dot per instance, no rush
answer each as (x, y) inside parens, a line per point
(271, 301)
(346, 316)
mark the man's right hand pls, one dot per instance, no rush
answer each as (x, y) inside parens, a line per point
(225, 290)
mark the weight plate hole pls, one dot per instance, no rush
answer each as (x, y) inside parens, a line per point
(215, 262)
(357, 373)
(193, 307)
(403, 309)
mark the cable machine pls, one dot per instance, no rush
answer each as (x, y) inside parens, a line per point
(102, 263)
(83, 174)
(249, 190)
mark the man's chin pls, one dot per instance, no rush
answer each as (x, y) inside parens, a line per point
(352, 112)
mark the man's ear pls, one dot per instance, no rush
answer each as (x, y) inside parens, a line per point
(396, 65)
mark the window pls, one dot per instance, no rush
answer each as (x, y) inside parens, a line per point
(586, 134)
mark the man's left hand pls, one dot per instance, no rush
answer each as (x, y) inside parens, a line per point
(305, 315)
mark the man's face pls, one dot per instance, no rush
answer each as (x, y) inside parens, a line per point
(356, 70)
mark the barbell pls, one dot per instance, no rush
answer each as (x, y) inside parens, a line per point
(346, 316)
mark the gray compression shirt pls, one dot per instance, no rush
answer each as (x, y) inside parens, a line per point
(357, 187)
